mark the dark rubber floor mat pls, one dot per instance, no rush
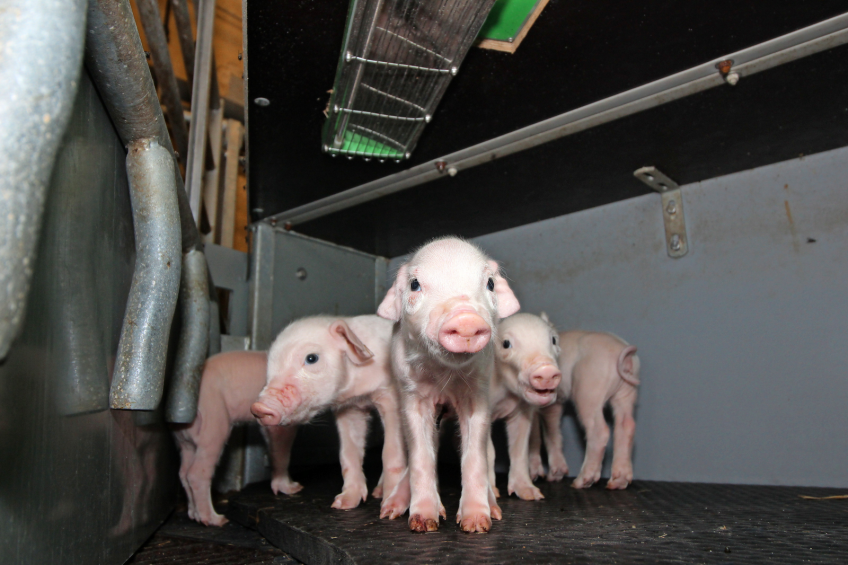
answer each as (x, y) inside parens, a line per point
(650, 522)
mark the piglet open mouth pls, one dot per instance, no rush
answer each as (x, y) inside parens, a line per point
(541, 396)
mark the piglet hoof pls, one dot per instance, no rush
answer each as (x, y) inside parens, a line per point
(286, 486)
(350, 498)
(378, 491)
(537, 470)
(475, 523)
(526, 492)
(557, 471)
(394, 506)
(583, 481)
(418, 523)
(214, 520)
(497, 514)
(496, 491)
(619, 481)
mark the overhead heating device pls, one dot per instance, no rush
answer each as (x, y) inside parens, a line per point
(397, 59)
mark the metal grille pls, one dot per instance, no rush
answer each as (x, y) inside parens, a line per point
(397, 59)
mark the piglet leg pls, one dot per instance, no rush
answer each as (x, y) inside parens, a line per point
(625, 428)
(557, 467)
(425, 505)
(396, 502)
(199, 477)
(352, 424)
(475, 513)
(537, 469)
(597, 436)
(518, 431)
(280, 440)
(490, 452)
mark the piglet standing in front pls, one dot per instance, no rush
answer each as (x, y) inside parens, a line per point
(229, 385)
(342, 364)
(446, 301)
(526, 378)
(596, 368)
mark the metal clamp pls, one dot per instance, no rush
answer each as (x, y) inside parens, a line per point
(677, 242)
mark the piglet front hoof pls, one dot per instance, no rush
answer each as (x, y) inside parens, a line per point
(496, 491)
(537, 470)
(419, 523)
(557, 471)
(475, 523)
(583, 481)
(213, 520)
(286, 486)
(350, 498)
(619, 481)
(526, 492)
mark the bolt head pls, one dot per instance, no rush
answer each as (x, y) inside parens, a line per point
(454, 71)
(452, 171)
(301, 273)
(671, 209)
(675, 243)
(427, 118)
(732, 78)
(348, 57)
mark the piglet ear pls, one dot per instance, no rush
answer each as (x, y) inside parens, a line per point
(353, 347)
(544, 317)
(507, 302)
(391, 306)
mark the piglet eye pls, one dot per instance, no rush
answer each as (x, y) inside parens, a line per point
(414, 285)
(507, 344)
(553, 340)
(312, 358)
(491, 284)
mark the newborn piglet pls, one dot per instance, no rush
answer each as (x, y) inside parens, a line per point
(597, 368)
(526, 378)
(447, 301)
(229, 385)
(342, 364)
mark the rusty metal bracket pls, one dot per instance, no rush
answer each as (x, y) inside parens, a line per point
(676, 240)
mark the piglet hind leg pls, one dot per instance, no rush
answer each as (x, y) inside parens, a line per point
(199, 477)
(397, 495)
(490, 456)
(280, 440)
(625, 428)
(475, 513)
(425, 506)
(597, 436)
(352, 424)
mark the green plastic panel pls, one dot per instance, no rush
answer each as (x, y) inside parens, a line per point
(506, 19)
(357, 144)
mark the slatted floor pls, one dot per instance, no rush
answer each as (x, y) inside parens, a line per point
(651, 522)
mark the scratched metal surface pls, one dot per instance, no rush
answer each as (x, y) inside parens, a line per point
(651, 522)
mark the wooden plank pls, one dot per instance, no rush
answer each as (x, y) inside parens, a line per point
(227, 225)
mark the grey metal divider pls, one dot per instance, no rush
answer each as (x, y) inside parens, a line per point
(39, 70)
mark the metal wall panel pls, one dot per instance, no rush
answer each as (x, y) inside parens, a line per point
(742, 341)
(79, 483)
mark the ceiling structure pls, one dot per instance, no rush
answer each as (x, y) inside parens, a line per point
(577, 52)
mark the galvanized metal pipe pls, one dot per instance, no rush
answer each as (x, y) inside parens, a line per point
(139, 376)
(151, 20)
(183, 21)
(116, 62)
(181, 404)
(40, 62)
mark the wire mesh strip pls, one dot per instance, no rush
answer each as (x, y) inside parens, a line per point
(350, 57)
(448, 61)
(392, 97)
(385, 138)
(387, 116)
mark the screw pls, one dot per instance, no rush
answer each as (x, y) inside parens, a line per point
(261, 101)
(427, 118)
(300, 273)
(671, 208)
(452, 171)
(732, 78)
(239, 56)
(288, 226)
(147, 54)
(663, 186)
(675, 243)
(366, 159)
(724, 66)
(440, 166)
(242, 161)
(348, 57)
(649, 177)
(273, 222)
(511, 39)
(454, 70)
(407, 155)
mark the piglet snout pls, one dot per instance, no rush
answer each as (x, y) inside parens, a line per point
(265, 415)
(465, 332)
(545, 378)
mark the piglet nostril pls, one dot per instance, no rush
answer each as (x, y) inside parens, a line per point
(465, 332)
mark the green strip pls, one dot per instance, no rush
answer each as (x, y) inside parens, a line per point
(506, 18)
(357, 144)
